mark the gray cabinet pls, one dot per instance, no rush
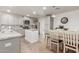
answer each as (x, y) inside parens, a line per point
(10, 45)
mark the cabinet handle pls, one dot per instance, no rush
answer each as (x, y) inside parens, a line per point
(8, 44)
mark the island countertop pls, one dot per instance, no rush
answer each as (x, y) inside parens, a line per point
(7, 35)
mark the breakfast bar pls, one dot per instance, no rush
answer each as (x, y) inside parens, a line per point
(10, 42)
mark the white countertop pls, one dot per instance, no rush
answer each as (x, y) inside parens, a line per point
(7, 34)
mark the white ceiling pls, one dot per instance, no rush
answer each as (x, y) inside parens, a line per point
(24, 10)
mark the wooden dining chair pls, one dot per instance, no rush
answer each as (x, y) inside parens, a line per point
(47, 38)
(54, 37)
(71, 41)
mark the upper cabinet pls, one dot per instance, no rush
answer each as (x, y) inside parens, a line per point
(9, 19)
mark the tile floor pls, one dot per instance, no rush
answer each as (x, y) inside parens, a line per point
(38, 47)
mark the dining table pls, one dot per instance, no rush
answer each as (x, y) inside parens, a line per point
(59, 33)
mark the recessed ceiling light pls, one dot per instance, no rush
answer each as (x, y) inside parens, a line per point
(53, 16)
(8, 10)
(54, 6)
(27, 15)
(44, 8)
(34, 12)
(10, 6)
(57, 8)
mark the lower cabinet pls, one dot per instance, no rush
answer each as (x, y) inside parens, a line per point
(10, 45)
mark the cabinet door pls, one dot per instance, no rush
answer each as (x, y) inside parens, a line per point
(4, 19)
(10, 45)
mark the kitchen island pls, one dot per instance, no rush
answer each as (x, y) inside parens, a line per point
(31, 35)
(10, 42)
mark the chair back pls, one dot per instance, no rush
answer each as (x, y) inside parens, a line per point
(71, 39)
(54, 35)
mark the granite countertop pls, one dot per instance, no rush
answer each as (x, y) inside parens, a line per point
(6, 35)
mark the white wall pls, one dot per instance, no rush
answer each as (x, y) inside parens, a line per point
(73, 22)
(10, 19)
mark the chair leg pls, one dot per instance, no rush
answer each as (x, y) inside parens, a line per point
(64, 49)
(46, 41)
(57, 48)
(76, 50)
(50, 45)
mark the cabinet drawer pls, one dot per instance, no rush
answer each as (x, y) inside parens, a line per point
(10, 45)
